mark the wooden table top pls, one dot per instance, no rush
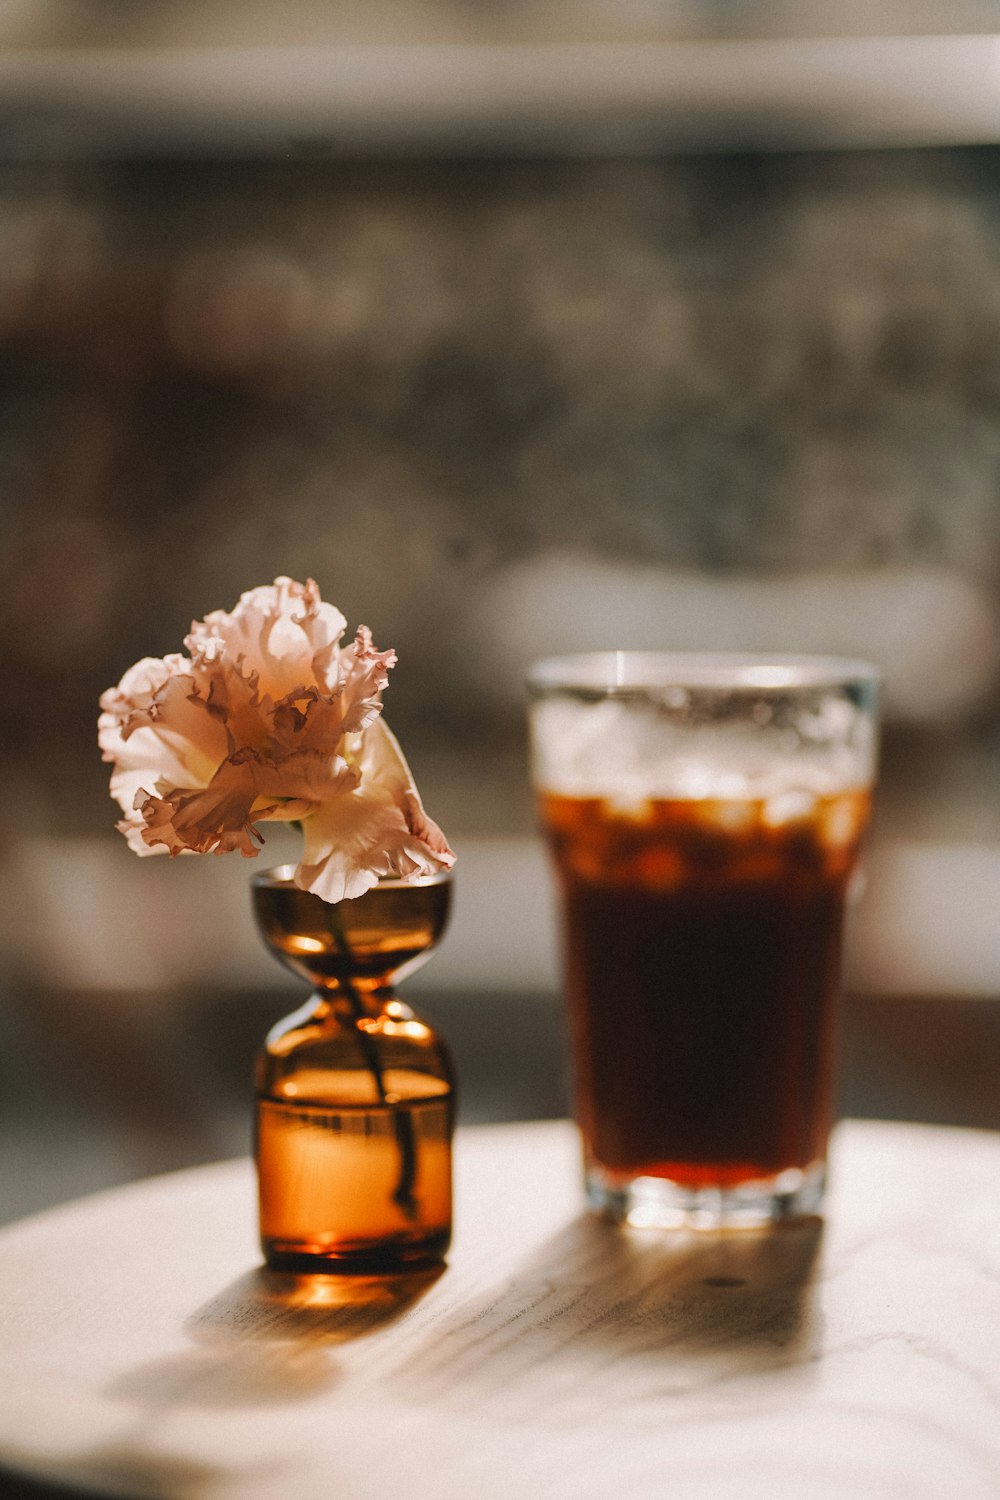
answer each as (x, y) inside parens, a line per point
(143, 1351)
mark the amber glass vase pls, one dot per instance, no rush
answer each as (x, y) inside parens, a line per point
(355, 1094)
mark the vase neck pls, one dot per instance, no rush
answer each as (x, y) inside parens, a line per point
(343, 1001)
(364, 944)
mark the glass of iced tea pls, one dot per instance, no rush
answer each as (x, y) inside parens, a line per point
(704, 814)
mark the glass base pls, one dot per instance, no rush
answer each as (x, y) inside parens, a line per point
(660, 1203)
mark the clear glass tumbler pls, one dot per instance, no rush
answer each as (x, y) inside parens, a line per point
(705, 814)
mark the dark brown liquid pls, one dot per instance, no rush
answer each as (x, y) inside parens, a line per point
(703, 961)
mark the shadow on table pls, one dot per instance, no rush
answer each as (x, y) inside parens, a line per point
(125, 1466)
(264, 1340)
(669, 1314)
(15, 1487)
(654, 1317)
(276, 1307)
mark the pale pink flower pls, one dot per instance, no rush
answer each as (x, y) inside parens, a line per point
(269, 718)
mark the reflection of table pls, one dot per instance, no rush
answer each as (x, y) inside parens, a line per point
(143, 1353)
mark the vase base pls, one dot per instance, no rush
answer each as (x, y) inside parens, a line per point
(372, 1258)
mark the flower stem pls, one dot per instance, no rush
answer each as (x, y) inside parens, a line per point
(402, 1123)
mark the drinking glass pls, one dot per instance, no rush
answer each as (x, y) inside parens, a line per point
(704, 814)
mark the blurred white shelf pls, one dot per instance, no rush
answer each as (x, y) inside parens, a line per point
(567, 93)
(86, 915)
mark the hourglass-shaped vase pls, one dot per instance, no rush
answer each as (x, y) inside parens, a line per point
(355, 1094)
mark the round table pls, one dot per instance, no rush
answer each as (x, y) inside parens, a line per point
(143, 1352)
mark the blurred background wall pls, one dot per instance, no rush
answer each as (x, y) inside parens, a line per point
(520, 332)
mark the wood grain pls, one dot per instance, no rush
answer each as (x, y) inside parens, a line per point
(143, 1352)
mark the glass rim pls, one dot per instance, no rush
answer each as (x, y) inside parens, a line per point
(610, 673)
(279, 875)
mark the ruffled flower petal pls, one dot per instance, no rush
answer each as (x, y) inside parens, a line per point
(304, 776)
(364, 672)
(350, 845)
(184, 722)
(382, 762)
(269, 718)
(279, 630)
(380, 829)
(215, 820)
